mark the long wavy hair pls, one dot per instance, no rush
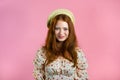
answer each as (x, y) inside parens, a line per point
(54, 48)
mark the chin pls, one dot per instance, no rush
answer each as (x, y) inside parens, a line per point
(61, 40)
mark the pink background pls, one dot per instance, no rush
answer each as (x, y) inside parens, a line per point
(23, 30)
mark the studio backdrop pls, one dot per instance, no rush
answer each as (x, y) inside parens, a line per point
(23, 30)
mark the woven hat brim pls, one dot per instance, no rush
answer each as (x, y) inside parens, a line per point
(61, 11)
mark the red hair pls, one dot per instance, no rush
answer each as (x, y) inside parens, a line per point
(67, 49)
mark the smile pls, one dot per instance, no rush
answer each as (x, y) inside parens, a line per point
(61, 37)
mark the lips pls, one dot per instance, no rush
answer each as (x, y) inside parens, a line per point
(61, 36)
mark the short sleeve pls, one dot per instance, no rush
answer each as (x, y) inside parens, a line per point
(81, 68)
(39, 65)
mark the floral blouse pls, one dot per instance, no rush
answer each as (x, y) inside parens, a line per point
(61, 68)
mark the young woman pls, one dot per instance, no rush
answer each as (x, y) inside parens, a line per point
(60, 58)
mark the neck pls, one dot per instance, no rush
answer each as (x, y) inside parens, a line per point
(59, 44)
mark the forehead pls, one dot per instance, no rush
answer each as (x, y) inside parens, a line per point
(61, 23)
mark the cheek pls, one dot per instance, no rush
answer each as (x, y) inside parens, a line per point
(67, 32)
(56, 32)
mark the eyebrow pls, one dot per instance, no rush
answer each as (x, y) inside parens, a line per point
(63, 26)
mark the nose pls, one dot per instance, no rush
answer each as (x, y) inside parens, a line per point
(61, 31)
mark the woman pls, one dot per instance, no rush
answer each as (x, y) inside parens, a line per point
(60, 58)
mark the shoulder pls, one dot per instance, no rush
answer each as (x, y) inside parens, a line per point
(81, 58)
(78, 49)
(40, 52)
(39, 58)
(40, 49)
(80, 52)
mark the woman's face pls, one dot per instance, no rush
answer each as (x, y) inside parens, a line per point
(61, 30)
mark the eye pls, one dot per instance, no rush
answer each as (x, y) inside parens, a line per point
(65, 29)
(57, 28)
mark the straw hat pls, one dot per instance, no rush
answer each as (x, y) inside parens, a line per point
(61, 11)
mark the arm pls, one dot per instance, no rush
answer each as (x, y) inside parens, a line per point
(81, 68)
(38, 62)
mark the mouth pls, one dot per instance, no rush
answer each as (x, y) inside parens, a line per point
(61, 37)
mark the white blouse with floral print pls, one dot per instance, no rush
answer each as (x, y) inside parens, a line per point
(61, 68)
